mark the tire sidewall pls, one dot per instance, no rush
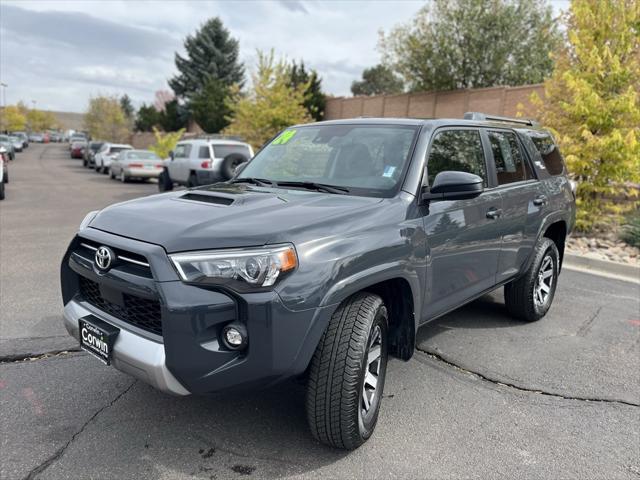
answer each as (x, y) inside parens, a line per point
(366, 425)
(547, 249)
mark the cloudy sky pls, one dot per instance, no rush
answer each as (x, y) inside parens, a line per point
(58, 53)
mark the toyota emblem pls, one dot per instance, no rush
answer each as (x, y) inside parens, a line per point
(104, 257)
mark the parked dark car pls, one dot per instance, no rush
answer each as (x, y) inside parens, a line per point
(322, 257)
(88, 159)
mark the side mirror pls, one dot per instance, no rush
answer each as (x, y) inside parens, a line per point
(172, 155)
(451, 185)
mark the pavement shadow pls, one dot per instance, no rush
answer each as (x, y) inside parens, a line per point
(230, 432)
(487, 312)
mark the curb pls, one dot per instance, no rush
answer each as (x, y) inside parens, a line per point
(607, 268)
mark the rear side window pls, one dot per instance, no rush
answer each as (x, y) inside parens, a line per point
(456, 150)
(204, 152)
(182, 151)
(511, 165)
(549, 152)
(221, 151)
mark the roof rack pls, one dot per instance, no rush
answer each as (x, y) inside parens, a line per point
(214, 136)
(496, 118)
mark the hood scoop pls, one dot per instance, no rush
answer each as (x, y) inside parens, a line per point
(205, 198)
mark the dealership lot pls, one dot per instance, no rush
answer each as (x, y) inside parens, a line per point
(483, 397)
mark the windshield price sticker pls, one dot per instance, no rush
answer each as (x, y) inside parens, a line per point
(284, 137)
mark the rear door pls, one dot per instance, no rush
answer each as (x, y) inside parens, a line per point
(463, 235)
(522, 199)
(179, 166)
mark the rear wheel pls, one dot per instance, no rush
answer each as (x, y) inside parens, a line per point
(165, 184)
(111, 175)
(1, 190)
(5, 178)
(193, 180)
(530, 296)
(347, 373)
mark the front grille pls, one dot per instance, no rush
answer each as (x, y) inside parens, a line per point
(137, 311)
(130, 262)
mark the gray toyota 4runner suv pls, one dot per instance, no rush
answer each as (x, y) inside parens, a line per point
(321, 258)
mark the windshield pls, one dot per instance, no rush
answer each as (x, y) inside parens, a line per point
(96, 146)
(142, 156)
(366, 159)
(117, 149)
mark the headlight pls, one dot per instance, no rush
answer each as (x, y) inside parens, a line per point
(87, 219)
(242, 269)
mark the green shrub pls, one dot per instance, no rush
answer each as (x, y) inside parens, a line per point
(631, 230)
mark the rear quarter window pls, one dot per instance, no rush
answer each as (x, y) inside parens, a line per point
(549, 152)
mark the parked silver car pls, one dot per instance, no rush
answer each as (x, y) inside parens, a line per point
(139, 164)
(107, 154)
(6, 142)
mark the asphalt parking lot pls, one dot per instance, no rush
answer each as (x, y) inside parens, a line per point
(483, 397)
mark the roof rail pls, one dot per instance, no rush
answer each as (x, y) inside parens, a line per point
(214, 136)
(496, 118)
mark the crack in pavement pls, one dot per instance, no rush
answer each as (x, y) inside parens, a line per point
(58, 454)
(32, 357)
(495, 381)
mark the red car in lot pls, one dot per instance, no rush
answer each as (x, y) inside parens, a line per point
(77, 149)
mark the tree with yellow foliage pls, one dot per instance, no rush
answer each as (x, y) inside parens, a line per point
(105, 119)
(11, 119)
(592, 104)
(271, 105)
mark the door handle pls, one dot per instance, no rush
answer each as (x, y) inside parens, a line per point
(540, 200)
(494, 213)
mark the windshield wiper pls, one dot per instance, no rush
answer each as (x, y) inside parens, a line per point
(261, 182)
(321, 187)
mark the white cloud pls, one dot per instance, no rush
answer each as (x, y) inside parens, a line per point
(61, 53)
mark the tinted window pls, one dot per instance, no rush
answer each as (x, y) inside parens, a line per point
(221, 151)
(510, 163)
(549, 152)
(456, 150)
(96, 146)
(182, 151)
(204, 152)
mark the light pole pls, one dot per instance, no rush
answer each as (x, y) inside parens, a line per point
(4, 99)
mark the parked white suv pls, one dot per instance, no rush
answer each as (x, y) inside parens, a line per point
(203, 161)
(107, 154)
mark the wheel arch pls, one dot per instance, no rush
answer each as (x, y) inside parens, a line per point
(557, 232)
(401, 295)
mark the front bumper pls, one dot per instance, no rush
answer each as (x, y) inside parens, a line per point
(187, 355)
(132, 354)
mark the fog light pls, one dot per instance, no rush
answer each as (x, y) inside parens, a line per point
(235, 336)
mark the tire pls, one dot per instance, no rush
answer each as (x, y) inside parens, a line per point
(335, 400)
(123, 177)
(84, 163)
(97, 167)
(193, 180)
(5, 178)
(111, 175)
(230, 163)
(525, 297)
(165, 184)
(1, 190)
(106, 170)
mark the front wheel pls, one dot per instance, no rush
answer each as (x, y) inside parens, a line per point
(347, 373)
(530, 296)
(165, 184)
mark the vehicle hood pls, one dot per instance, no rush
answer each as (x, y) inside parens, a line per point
(230, 216)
